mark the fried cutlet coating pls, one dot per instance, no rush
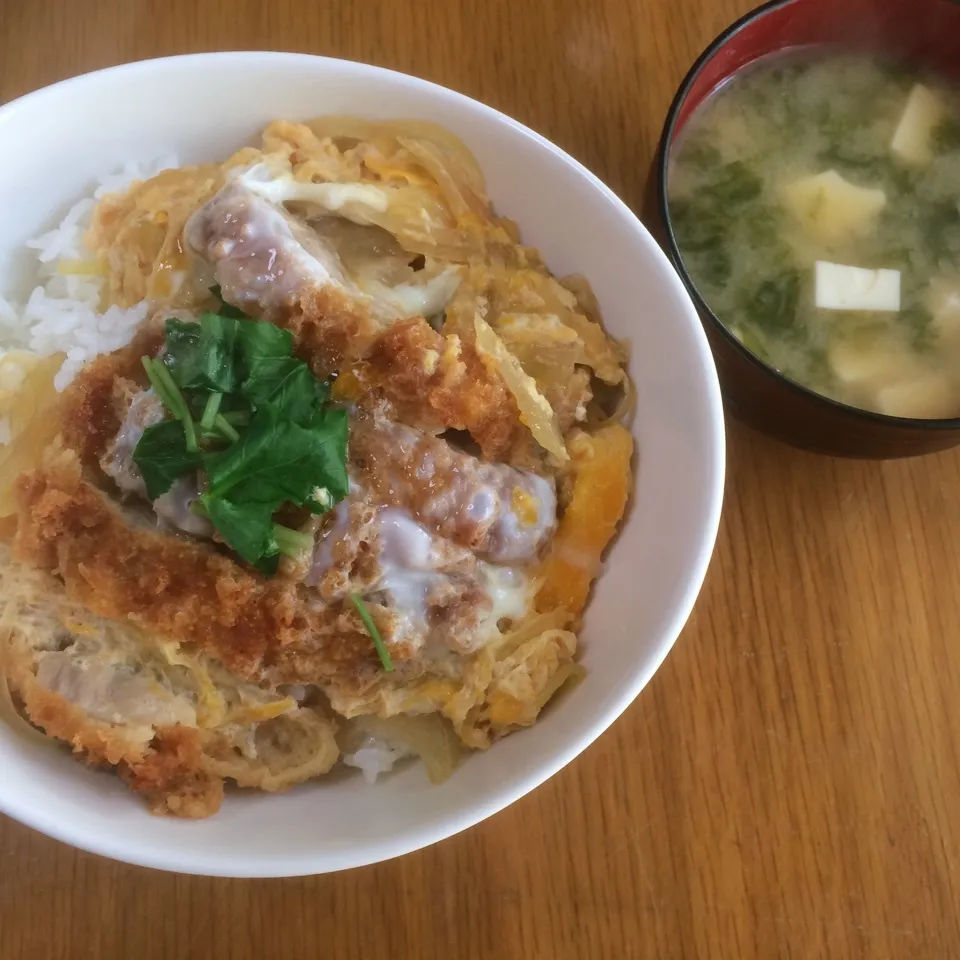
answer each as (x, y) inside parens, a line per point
(435, 382)
(431, 382)
(167, 768)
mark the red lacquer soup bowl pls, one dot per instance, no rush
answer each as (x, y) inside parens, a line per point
(925, 33)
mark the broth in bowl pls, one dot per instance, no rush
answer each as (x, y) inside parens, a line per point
(815, 201)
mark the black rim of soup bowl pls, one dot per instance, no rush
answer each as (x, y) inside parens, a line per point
(836, 409)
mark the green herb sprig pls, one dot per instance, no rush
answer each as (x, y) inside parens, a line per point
(255, 420)
(374, 632)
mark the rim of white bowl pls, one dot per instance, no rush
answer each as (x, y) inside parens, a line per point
(180, 861)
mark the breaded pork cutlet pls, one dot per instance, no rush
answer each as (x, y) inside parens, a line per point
(172, 722)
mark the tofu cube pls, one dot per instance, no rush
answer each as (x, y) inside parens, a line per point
(859, 362)
(831, 208)
(928, 396)
(913, 138)
(942, 299)
(840, 287)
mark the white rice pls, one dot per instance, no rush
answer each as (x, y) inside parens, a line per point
(62, 312)
(375, 757)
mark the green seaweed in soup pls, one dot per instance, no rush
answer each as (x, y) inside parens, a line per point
(815, 201)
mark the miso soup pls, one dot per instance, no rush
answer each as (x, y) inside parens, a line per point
(815, 200)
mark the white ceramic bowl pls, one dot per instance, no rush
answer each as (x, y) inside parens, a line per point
(53, 144)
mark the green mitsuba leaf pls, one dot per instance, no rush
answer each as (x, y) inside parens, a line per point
(259, 341)
(287, 387)
(162, 457)
(274, 378)
(201, 356)
(278, 460)
(246, 527)
(266, 437)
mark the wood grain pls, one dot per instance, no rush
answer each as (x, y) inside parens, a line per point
(788, 784)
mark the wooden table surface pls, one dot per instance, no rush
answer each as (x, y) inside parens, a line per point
(789, 783)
